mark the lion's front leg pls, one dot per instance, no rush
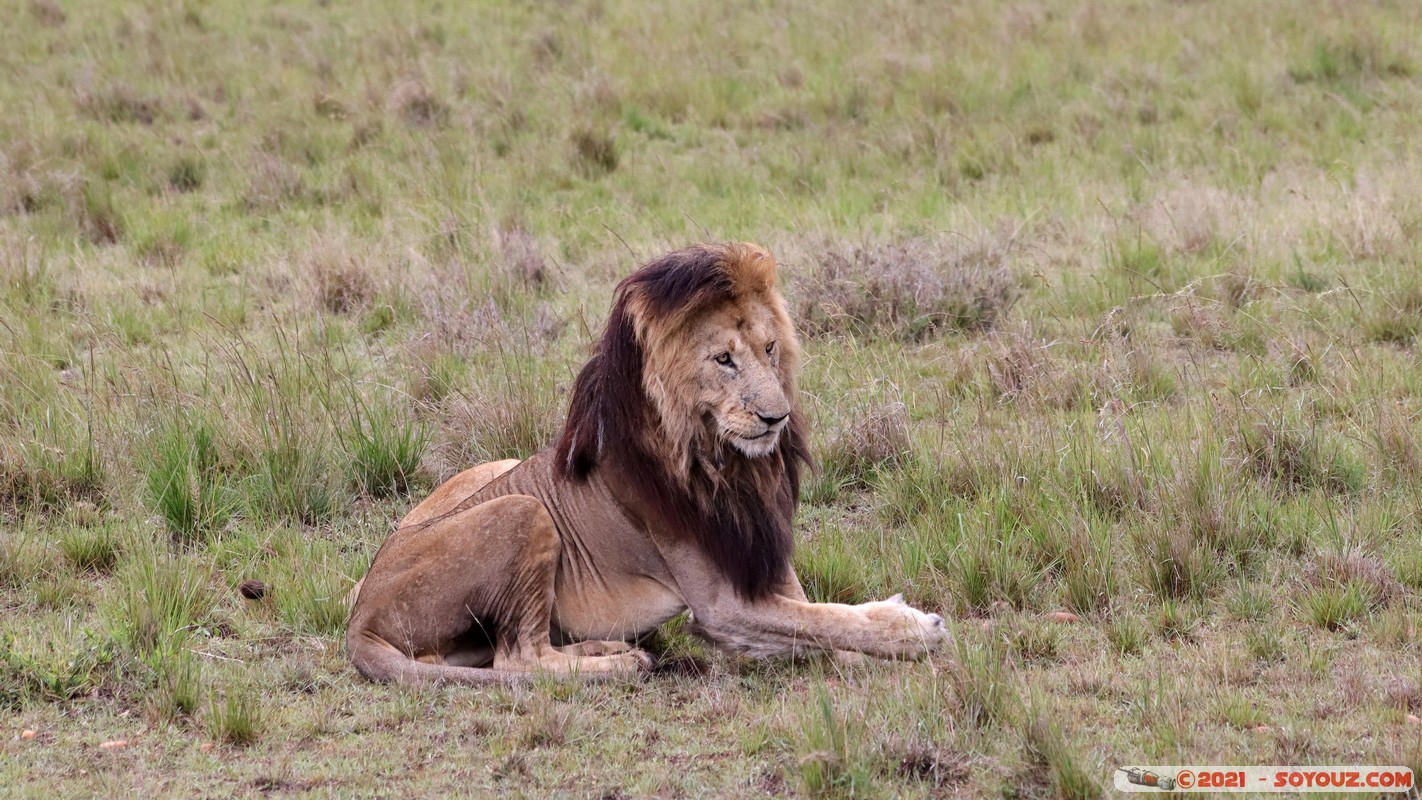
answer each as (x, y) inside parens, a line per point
(794, 590)
(779, 625)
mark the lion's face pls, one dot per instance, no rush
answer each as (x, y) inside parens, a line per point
(738, 381)
(728, 372)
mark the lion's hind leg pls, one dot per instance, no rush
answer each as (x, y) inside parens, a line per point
(490, 570)
(525, 635)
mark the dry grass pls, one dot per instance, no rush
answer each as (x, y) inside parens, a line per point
(910, 289)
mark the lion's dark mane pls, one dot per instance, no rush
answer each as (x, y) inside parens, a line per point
(738, 510)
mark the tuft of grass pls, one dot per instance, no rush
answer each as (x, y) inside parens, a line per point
(36, 478)
(295, 481)
(48, 13)
(931, 763)
(982, 684)
(1127, 634)
(929, 487)
(1336, 606)
(1034, 640)
(1407, 566)
(521, 260)
(187, 483)
(178, 688)
(1396, 627)
(1139, 257)
(1176, 620)
(1088, 570)
(1237, 712)
(186, 173)
(97, 213)
(1020, 369)
(384, 448)
(1264, 643)
(548, 723)
(1251, 602)
(121, 103)
(1351, 565)
(1396, 443)
(1396, 320)
(874, 439)
(238, 717)
(908, 290)
(595, 152)
(1047, 749)
(309, 584)
(1294, 458)
(983, 570)
(342, 285)
(90, 549)
(511, 412)
(417, 105)
(832, 759)
(831, 568)
(1173, 564)
(58, 590)
(273, 183)
(164, 600)
(22, 559)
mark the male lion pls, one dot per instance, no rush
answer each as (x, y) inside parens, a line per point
(672, 487)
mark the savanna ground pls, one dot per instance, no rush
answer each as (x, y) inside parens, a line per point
(1110, 309)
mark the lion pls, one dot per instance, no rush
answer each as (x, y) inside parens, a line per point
(672, 488)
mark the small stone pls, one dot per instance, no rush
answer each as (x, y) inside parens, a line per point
(1065, 617)
(28, 735)
(1413, 719)
(205, 747)
(986, 624)
(252, 590)
(117, 744)
(1260, 729)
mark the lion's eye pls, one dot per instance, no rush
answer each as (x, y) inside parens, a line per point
(724, 360)
(770, 348)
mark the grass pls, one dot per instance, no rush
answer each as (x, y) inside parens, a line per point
(384, 450)
(832, 763)
(237, 718)
(186, 482)
(90, 549)
(1093, 323)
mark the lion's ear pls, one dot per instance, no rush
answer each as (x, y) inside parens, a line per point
(751, 268)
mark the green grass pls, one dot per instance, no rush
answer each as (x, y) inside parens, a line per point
(187, 484)
(238, 717)
(831, 760)
(90, 549)
(1109, 309)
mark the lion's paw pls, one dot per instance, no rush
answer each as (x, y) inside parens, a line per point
(640, 658)
(596, 647)
(633, 664)
(910, 632)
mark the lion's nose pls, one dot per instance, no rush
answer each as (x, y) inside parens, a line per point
(771, 422)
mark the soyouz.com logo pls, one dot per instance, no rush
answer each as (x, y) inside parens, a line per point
(1264, 779)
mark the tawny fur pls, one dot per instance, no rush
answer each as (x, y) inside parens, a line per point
(672, 488)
